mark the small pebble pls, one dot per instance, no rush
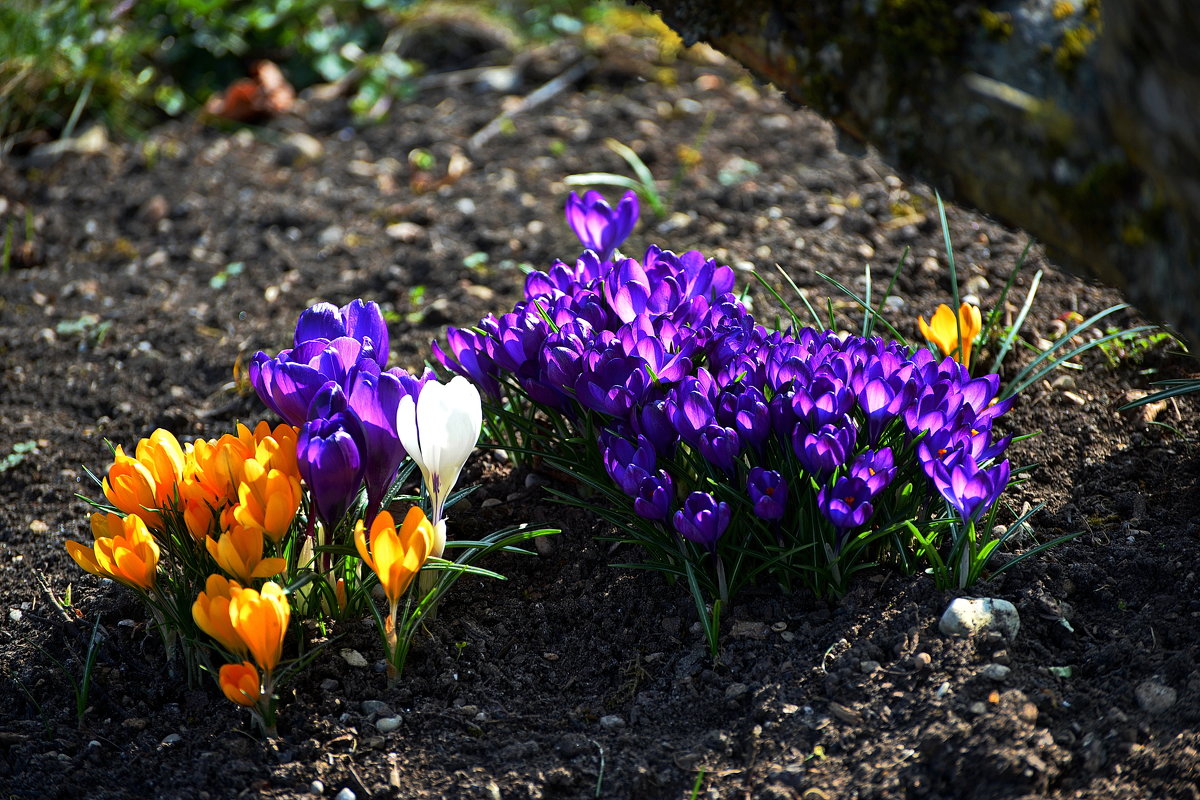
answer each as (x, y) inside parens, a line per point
(1028, 712)
(316, 787)
(388, 724)
(977, 708)
(375, 707)
(1155, 698)
(995, 672)
(352, 657)
(867, 666)
(329, 684)
(344, 794)
(611, 722)
(922, 661)
(736, 690)
(172, 738)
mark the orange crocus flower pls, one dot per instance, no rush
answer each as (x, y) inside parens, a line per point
(261, 620)
(211, 613)
(163, 457)
(130, 487)
(124, 550)
(267, 500)
(240, 683)
(943, 330)
(239, 551)
(396, 555)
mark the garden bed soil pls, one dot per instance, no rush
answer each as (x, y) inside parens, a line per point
(158, 268)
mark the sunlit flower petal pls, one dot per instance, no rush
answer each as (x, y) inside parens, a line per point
(439, 430)
(396, 555)
(211, 613)
(261, 620)
(241, 683)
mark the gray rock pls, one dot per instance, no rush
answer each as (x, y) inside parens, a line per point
(344, 794)
(316, 787)
(995, 672)
(611, 722)
(1154, 697)
(388, 724)
(967, 616)
(375, 707)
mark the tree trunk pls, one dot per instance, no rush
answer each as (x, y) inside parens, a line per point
(1078, 123)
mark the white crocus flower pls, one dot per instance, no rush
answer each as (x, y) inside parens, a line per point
(439, 430)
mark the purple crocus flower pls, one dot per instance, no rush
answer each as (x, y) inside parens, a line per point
(329, 453)
(654, 496)
(825, 450)
(881, 402)
(702, 520)
(627, 462)
(600, 227)
(470, 356)
(846, 504)
(720, 447)
(613, 384)
(971, 490)
(288, 383)
(825, 400)
(876, 467)
(690, 411)
(768, 492)
(358, 320)
(653, 422)
(748, 414)
(374, 398)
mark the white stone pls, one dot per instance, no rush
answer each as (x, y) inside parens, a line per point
(967, 616)
(388, 724)
(352, 657)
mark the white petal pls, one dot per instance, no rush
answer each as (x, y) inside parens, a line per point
(406, 429)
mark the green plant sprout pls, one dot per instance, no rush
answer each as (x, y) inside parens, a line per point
(17, 455)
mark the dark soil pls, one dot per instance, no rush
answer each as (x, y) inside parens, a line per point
(572, 679)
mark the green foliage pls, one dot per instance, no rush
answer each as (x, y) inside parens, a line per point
(126, 63)
(17, 455)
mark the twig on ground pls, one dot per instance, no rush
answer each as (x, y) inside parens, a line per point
(531, 101)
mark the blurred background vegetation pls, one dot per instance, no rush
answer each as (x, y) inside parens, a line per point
(132, 63)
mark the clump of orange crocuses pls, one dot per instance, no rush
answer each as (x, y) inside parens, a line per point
(953, 334)
(245, 621)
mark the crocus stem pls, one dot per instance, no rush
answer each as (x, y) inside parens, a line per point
(426, 582)
(266, 708)
(722, 588)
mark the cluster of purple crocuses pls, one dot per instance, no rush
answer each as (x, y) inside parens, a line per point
(709, 423)
(333, 384)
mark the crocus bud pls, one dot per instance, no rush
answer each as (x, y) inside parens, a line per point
(702, 520)
(598, 226)
(768, 492)
(240, 683)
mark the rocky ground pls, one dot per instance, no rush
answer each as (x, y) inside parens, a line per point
(157, 268)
